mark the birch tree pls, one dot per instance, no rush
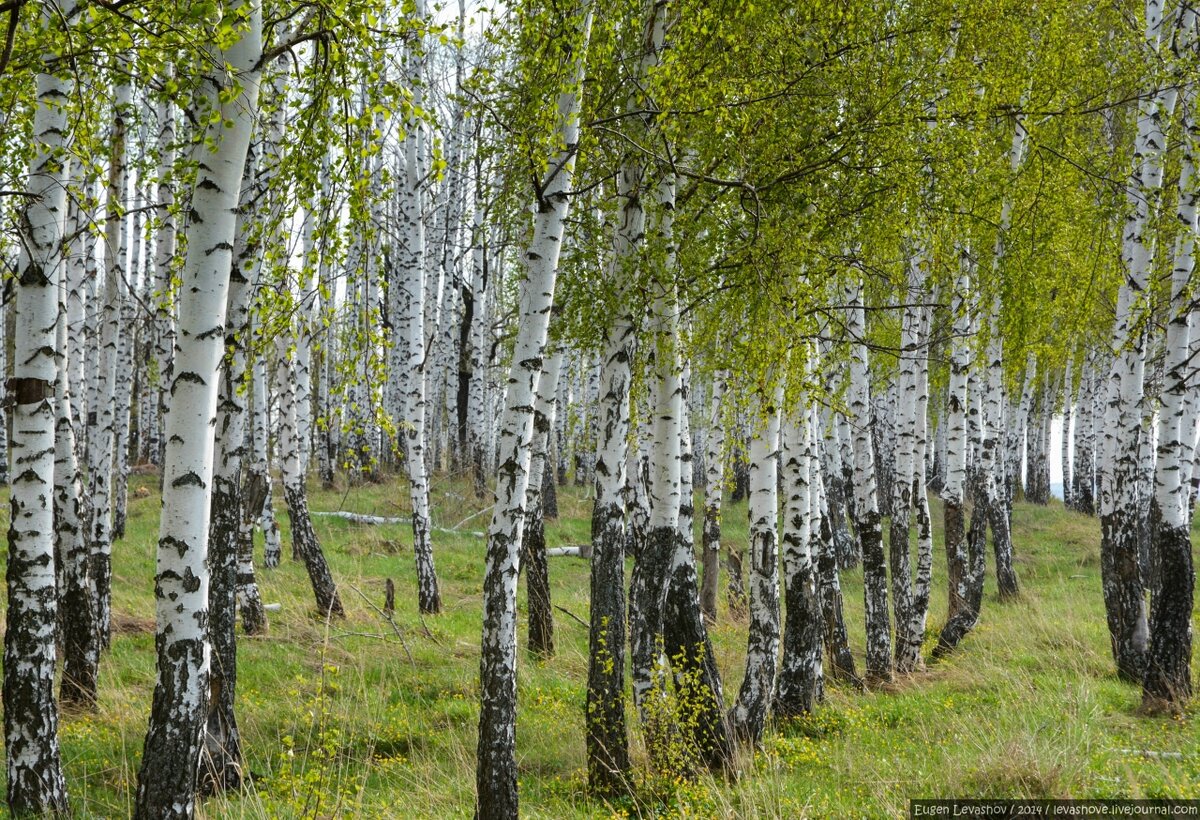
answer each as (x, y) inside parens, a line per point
(496, 765)
(35, 783)
(170, 757)
(1167, 680)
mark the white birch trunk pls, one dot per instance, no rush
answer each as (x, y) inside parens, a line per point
(33, 762)
(1168, 664)
(170, 758)
(496, 772)
(1120, 517)
(104, 412)
(868, 521)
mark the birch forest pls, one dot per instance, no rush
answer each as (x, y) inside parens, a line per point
(597, 408)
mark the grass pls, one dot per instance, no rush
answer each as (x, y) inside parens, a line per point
(354, 719)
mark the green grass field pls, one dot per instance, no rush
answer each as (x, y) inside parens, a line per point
(355, 718)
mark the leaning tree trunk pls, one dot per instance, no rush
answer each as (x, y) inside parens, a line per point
(496, 760)
(868, 521)
(170, 758)
(749, 713)
(32, 756)
(305, 543)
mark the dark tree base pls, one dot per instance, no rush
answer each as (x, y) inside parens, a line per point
(1168, 681)
(305, 540)
(537, 580)
(607, 738)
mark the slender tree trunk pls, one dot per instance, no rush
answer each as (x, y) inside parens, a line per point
(714, 490)
(164, 252)
(170, 758)
(80, 640)
(259, 470)
(607, 737)
(409, 359)
(905, 423)
(496, 763)
(992, 459)
(960, 619)
(102, 413)
(221, 760)
(801, 676)
(837, 641)
(868, 522)
(685, 634)
(1168, 682)
(33, 761)
(1068, 485)
(845, 550)
(749, 713)
(537, 573)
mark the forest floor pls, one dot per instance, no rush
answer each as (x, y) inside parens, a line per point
(357, 718)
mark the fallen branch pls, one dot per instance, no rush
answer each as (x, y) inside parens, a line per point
(571, 614)
(387, 616)
(575, 551)
(361, 518)
(374, 520)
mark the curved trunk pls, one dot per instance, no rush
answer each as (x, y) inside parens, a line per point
(305, 544)
(170, 758)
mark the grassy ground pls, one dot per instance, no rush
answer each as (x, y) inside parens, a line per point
(356, 719)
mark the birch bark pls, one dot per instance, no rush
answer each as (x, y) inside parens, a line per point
(170, 758)
(496, 764)
(33, 762)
